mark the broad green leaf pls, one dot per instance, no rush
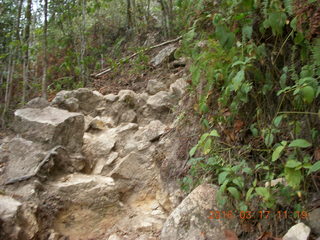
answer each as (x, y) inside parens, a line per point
(308, 94)
(207, 146)
(249, 194)
(300, 143)
(214, 133)
(293, 164)
(293, 177)
(263, 192)
(277, 152)
(278, 120)
(268, 140)
(315, 167)
(234, 192)
(193, 150)
(238, 79)
(243, 206)
(239, 182)
(222, 177)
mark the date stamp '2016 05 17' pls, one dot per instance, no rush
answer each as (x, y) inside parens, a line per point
(251, 215)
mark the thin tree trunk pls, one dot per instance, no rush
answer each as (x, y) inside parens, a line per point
(11, 63)
(83, 44)
(167, 14)
(45, 45)
(26, 52)
(8, 88)
(129, 16)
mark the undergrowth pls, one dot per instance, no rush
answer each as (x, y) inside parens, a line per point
(256, 71)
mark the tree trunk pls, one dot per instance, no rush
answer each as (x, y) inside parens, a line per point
(8, 88)
(26, 52)
(83, 45)
(167, 14)
(45, 45)
(10, 67)
(129, 16)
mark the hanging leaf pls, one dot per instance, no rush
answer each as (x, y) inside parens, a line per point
(263, 192)
(237, 80)
(193, 151)
(214, 133)
(308, 94)
(222, 177)
(234, 192)
(277, 152)
(293, 177)
(315, 167)
(300, 143)
(293, 164)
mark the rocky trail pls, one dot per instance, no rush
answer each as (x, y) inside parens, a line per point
(88, 166)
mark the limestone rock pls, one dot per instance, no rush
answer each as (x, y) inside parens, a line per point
(86, 99)
(17, 221)
(178, 88)
(97, 147)
(102, 165)
(9, 208)
(129, 116)
(129, 97)
(314, 220)
(163, 55)
(299, 231)
(155, 86)
(190, 219)
(114, 237)
(71, 104)
(50, 126)
(89, 190)
(151, 132)
(38, 102)
(130, 167)
(111, 97)
(20, 157)
(160, 101)
(97, 123)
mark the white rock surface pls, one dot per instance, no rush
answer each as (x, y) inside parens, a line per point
(299, 231)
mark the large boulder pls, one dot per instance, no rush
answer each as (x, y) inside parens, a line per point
(19, 157)
(51, 126)
(163, 55)
(22, 159)
(82, 99)
(190, 220)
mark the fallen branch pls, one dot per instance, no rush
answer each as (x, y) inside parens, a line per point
(104, 71)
